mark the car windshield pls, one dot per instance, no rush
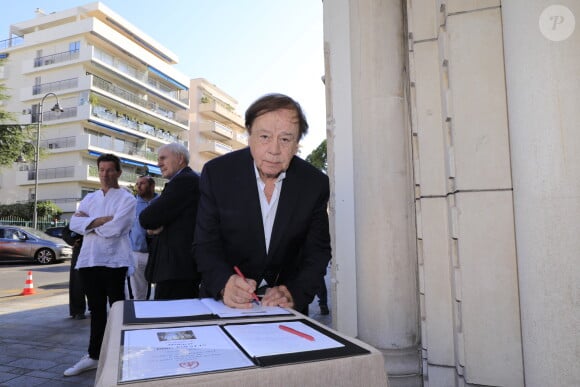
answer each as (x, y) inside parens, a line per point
(36, 233)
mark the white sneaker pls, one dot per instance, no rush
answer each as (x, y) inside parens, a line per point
(85, 364)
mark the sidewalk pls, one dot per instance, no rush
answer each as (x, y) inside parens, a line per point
(39, 340)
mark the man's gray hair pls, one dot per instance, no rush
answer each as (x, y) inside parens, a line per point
(177, 149)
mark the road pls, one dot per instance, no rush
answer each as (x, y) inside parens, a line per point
(47, 279)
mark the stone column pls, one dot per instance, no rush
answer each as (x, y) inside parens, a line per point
(542, 58)
(385, 239)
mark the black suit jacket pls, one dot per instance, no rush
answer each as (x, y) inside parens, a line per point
(175, 209)
(230, 232)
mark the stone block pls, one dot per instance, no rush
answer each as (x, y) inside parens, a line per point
(479, 124)
(489, 309)
(423, 16)
(470, 5)
(438, 300)
(430, 132)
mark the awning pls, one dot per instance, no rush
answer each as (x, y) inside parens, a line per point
(153, 169)
(167, 78)
(131, 162)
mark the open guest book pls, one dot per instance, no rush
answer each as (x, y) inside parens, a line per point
(148, 312)
(183, 351)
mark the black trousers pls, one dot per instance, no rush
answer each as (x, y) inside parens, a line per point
(101, 284)
(77, 303)
(176, 289)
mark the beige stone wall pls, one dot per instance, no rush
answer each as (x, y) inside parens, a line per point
(467, 258)
(491, 103)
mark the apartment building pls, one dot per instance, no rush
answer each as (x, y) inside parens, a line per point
(119, 91)
(216, 127)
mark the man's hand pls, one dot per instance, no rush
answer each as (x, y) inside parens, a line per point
(278, 296)
(156, 231)
(238, 292)
(97, 222)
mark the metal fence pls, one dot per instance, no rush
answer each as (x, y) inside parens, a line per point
(43, 222)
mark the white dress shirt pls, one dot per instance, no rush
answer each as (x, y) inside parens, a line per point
(269, 208)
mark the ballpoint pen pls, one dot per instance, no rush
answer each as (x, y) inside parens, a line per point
(239, 272)
(295, 332)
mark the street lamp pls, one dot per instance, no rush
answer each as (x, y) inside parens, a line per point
(55, 108)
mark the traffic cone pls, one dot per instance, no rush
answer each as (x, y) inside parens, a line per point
(28, 286)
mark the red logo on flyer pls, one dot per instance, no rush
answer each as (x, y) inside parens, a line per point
(189, 364)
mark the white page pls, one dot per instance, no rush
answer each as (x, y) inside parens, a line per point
(222, 310)
(265, 339)
(154, 353)
(170, 308)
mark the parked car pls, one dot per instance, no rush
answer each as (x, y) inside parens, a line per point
(54, 231)
(17, 243)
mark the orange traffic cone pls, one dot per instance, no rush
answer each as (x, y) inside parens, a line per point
(28, 286)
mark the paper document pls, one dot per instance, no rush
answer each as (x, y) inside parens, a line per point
(222, 310)
(155, 353)
(266, 339)
(170, 308)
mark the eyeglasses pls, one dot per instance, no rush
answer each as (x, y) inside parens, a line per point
(284, 141)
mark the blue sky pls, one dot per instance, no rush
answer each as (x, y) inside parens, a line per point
(245, 47)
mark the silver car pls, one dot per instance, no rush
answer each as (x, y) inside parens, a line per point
(28, 243)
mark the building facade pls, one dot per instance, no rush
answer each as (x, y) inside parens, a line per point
(216, 127)
(119, 91)
(452, 146)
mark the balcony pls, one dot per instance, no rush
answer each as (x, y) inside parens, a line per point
(51, 175)
(11, 42)
(112, 116)
(242, 138)
(127, 177)
(59, 143)
(216, 131)
(60, 57)
(218, 111)
(55, 86)
(215, 148)
(139, 101)
(142, 77)
(70, 112)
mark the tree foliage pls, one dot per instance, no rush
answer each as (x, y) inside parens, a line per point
(24, 210)
(318, 157)
(15, 140)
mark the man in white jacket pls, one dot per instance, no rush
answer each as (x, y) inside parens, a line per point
(104, 218)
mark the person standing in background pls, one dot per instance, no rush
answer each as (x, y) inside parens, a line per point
(77, 303)
(104, 218)
(171, 217)
(137, 285)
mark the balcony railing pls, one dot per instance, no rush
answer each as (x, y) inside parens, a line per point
(58, 143)
(127, 176)
(142, 76)
(11, 42)
(55, 86)
(130, 149)
(135, 99)
(52, 173)
(56, 58)
(50, 115)
(115, 117)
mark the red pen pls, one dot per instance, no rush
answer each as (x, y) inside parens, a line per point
(239, 272)
(295, 332)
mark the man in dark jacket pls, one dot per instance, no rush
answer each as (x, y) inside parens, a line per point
(264, 210)
(171, 217)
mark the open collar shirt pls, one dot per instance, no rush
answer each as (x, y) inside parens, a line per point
(268, 208)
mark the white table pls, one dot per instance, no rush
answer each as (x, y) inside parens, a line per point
(359, 370)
